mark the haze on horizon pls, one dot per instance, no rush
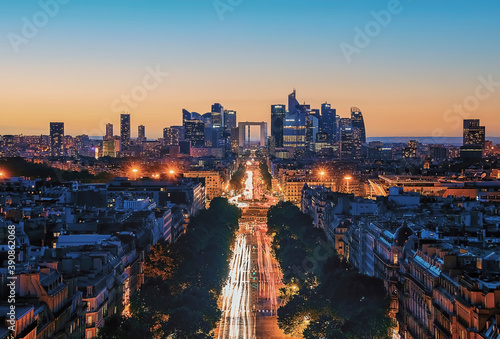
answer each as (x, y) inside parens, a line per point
(427, 59)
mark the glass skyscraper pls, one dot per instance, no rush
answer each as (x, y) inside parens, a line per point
(278, 113)
(358, 122)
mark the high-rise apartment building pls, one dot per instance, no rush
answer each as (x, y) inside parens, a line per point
(125, 130)
(141, 133)
(57, 139)
(109, 131)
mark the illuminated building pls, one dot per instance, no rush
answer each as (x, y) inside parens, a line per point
(278, 113)
(109, 131)
(125, 130)
(229, 120)
(56, 139)
(170, 136)
(347, 144)
(327, 121)
(141, 133)
(357, 121)
(195, 132)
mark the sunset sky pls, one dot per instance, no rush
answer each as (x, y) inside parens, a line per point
(428, 58)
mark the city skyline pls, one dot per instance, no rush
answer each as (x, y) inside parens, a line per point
(411, 75)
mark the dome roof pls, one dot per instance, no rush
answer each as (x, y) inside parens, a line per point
(402, 235)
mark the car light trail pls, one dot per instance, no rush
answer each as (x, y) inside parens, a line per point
(238, 320)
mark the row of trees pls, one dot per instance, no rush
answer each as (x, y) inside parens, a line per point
(19, 167)
(266, 176)
(324, 297)
(183, 281)
(236, 182)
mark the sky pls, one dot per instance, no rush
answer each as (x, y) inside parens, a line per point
(413, 67)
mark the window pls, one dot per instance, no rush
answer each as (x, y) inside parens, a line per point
(89, 320)
(395, 258)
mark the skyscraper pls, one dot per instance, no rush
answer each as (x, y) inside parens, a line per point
(109, 131)
(57, 139)
(217, 115)
(347, 151)
(170, 136)
(229, 120)
(141, 133)
(327, 121)
(194, 131)
(312, 128)
(474, 134)
(278, 113)
(293, 104)
(345, 123)
(294, 127)
(125, 130)
(357, 121)
(294, 130)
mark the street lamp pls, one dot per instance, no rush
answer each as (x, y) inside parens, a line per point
(347, 178)
(135, 170)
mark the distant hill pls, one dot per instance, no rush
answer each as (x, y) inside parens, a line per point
(455, 141)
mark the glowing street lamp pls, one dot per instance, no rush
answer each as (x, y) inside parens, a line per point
(135, 170)
(172, 172)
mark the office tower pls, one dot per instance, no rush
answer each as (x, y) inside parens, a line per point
(141, 133)
(345, 123)
(229, 120)
(56, 139)
(108, 148)
(125, 130)
(186, 115)
(293, 104)
(109, 131)
(294, 130)
(346, 144)
(312, 128)
(170, 136)
(180, 132)
(473, 140)
(207, 119)
(327, 121)
(357, 121)
(278, 113)
(217, 115)
(194, 131)
(474, 134)
(337, 127)
(235, 140)
(210, 136)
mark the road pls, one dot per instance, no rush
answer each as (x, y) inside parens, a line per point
(249, 300)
